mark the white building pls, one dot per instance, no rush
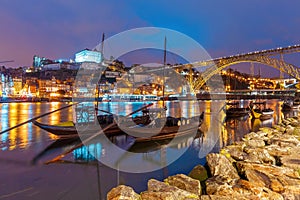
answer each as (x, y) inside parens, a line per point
(88, 55)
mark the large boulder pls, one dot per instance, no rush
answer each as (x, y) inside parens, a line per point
(292, 160)
(199, 173)
(255, 143)
(220, 165)
(147, 195)
(235, 151)
(284, 140)
(268, 169)
(264, 180)
(185, 183)
(258, 155)
(220, 197)
(238, 189)
(157, 186)
(122, 192)
(277, 151)
(273, 177)
(219, 185)
(243, 187)
(279, 127)
(292, 192)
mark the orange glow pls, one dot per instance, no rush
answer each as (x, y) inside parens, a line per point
(53, 94)
(23, 135)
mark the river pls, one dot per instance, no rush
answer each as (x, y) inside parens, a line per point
(24, 175)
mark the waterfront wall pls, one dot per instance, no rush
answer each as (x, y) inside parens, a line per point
(263, 165)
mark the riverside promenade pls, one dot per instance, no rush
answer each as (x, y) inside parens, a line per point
(263, 165)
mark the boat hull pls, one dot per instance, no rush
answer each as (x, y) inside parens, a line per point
(286, 106)
(237, 112)
(169, 131)
(262, 115)
(71, 131)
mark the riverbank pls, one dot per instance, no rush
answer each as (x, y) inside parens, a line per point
(263, 165)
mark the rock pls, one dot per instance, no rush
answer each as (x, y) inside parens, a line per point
(220, 197)
(250, 136)
(122, 192)
(185, 183)
(235, 151)
(157, 196)
(243, 187)
(267, 130)
(275, 150)
(296, 131)
(289, 129)
(286, 121)
(255, 158)
(284, 140)
(220, 165)
(279, 127)
(295, 124)
(255, 143)
(268, 169)
(259, 155)
(219, 185)
(264, 180)
(292, 192)
(199, 173)
(259, 179)
(240, 189)
(292, 160)
(269, 176)
(239, 143)
(157, 186)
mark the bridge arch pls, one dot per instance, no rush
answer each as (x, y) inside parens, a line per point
(220, 64)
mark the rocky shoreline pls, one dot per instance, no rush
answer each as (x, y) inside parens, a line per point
(264, 165)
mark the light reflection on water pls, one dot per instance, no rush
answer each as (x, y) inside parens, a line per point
(13, 114)
(28, 142)
(214, 121)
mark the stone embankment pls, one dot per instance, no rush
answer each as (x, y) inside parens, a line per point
(264, 165)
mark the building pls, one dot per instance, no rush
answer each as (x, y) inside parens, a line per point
(88, 55)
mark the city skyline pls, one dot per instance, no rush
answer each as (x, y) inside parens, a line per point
(59, 29)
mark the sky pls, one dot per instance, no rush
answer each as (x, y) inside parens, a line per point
(59, 28)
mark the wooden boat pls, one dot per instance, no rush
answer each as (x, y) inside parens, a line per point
(234, 111)
(260, 111)
(256, 115)
(290, 105)
(68, 129)
(173, 127)
(263, 114)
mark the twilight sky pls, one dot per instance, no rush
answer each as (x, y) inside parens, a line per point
(59, 28)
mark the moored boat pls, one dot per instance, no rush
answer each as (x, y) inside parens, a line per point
(290, 105)
(66, 130)
(164, 129)
(234, 111)
(259, 111)
(69, 129)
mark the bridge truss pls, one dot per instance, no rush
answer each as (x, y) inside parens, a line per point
(264, 57)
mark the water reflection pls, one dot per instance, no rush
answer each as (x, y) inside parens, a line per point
(13, 114)
(214, 127)
(30, 143)
(234, 129)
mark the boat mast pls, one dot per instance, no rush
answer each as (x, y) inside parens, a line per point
(98, 85)
(102, 46)
(165, 59)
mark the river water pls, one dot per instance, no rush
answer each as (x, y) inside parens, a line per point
(24, 151)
